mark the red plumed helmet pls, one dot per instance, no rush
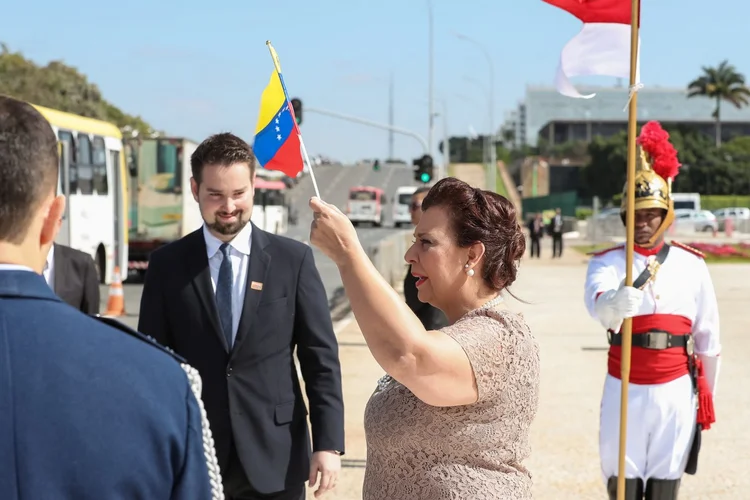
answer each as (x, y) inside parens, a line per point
(654, 141)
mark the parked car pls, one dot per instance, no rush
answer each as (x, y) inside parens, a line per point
(695, 220)
(735, 214)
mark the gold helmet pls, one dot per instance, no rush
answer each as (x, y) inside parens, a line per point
(657, 167)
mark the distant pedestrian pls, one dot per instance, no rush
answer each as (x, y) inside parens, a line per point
(556, 230)
(536, 233)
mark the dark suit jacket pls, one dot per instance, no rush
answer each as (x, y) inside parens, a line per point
(89, 411)
(431, 317)
(252, 394)
(538, 232)
(76, 281)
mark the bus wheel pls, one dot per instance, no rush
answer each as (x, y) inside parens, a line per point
(101, 264)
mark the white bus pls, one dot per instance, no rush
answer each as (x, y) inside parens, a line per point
(93, 179)
(270, 206)
(688, 201)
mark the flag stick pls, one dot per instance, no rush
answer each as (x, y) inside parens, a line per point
(309, 166)
(277, 65)
(627, 325)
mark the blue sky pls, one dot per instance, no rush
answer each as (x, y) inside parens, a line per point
(194, 68)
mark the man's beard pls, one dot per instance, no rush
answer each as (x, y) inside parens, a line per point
(228, 228)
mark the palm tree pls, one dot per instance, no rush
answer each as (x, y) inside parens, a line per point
(723, 83)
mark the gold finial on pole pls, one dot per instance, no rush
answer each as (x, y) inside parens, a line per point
(274, 56)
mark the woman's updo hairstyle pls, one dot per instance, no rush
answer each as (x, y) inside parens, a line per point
(482, 216)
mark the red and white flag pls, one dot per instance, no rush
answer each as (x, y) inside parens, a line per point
(601, 48)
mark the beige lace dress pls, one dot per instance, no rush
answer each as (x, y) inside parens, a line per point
(473, 452)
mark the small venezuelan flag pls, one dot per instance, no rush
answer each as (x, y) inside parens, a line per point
(277, 141)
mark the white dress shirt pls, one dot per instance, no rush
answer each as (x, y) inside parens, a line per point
(239, 253)
(49, 268)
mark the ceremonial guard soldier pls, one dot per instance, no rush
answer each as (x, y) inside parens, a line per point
(675, 342)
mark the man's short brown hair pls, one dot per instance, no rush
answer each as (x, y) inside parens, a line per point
(29, 165)
(223, 149)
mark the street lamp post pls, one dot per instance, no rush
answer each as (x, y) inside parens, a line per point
(431, 77)
(492, 174)
(443, 170)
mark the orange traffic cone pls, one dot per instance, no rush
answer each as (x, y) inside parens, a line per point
(116, 301)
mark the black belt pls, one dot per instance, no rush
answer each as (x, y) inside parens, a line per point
(655, 339)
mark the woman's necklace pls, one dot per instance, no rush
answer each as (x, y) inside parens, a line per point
(386, 379)
(491, 303)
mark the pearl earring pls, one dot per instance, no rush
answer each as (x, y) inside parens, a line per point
(469, 272)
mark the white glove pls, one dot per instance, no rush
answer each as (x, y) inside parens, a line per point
(613, 306)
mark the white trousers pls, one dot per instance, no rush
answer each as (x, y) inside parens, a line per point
(660, 430)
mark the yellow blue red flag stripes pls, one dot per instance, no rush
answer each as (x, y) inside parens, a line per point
(277, 141)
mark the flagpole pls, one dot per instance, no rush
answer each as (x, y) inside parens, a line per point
(627, 330)
(277, 65)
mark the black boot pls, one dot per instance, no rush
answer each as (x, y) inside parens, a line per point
(662, 489)
(633, 489)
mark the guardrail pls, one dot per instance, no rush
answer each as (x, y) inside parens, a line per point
(388, 256)
(610, 228)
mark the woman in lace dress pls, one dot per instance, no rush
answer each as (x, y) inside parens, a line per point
(451, 418)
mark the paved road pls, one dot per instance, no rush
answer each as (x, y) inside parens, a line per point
(334, 183)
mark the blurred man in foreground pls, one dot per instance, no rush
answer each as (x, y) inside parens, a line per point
(86, 410)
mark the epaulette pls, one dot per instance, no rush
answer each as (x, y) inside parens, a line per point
(597, 253)
(135, 333)
(687, 248)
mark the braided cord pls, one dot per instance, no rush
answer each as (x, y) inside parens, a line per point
(212, 463)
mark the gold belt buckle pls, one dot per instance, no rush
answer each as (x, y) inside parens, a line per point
(690, 345)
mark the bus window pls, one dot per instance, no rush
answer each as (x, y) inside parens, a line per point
(686, 204)
(67, 137)
(275, 197)
(99, 161)
(83, 165)
(169, 161)
(357, 195)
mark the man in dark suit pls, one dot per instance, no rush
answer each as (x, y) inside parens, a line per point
(556, 230)
(86, 410)
(236, 301)
(431, 317)
(536, 233)
(72, 275)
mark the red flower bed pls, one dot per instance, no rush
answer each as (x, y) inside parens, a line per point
(722, 250)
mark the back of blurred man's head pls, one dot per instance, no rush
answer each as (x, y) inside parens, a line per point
(29, 164)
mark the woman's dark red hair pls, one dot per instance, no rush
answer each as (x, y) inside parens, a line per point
(486, 217)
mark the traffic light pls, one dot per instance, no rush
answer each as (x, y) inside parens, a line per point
(376, 165)
(423, 172)
(297, 107)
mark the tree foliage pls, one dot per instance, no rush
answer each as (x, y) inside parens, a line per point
(705, 169)
(60, 87)
(472, 150)
(722, 83)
